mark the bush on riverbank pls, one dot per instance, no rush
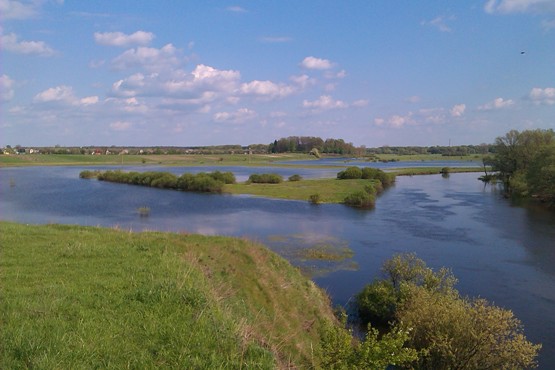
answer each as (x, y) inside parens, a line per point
(265, 178)
(367, 173)
(202, 182)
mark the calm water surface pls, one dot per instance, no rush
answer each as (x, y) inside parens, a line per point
(498, 251)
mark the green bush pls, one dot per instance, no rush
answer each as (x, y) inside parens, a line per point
(225, 177)
(295, 178)
(352, 172)
(315, 199)
(360, 199)
(265, 178)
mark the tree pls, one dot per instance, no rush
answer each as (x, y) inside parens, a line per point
(447, 330)
(541, 174)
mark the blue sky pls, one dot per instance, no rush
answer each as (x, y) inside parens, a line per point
(190, 73)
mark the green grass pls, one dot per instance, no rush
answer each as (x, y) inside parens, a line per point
(428, 157)
(82, 297)
(169, 159)
(433, 170)
(330, 190)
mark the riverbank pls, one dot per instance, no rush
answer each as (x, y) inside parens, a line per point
(86, 297)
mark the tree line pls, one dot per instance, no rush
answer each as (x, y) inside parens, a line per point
(305, 144)
(525, 163)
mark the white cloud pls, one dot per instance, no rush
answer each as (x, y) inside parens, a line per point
(120, 125)
(413, 99)
(266, 89)
(497, 103)
(64, 94)
(519, 6)
(11, 9)
(440, 23)
(236, 9)
(303, 81)
(6, 88)
(275, 39)
(10, 43)
(148, 58)
(325, 102)
(316, 63)
(56, 94)
(458, 110)
(121, 39)
(543, 96)
(239, 116)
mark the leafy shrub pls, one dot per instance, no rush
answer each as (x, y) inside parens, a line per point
(352, 172)
(295, 178)
(265, 178)
(360, 199)
(88, 174)
(225, 177)
(315, 199)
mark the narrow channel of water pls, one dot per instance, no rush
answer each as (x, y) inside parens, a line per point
(498, 251)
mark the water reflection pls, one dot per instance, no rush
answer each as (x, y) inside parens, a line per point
(498, 251)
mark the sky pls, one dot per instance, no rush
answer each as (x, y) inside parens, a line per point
(195, 73)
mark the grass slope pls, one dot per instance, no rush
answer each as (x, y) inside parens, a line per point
(83, 297)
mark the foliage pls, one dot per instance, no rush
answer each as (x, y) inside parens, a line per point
(360, 199)
(367, 173)
(351, 172)
(523, 161)
(201, 182)
(88, 174)
(341, 351)
(265, 178)
(295, 178)
(541, 174)
(447, 330)
(315, 198)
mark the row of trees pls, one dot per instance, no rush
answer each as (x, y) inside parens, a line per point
(525, 163)
(426, 324)
(212, 182)
(457, 150)
(305, 144)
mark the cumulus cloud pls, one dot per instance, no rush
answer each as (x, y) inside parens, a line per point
(275, 39)
(11, 43)
(543, 96)
(148, 58)
(316, 63)
(519, 6)
(11, 9)
(6, 88)
(324, 102)
(439, 23)
(120, 125)
(123, 40)
(497, 103)
(236, 9)
(63, 94)
(239, 116)
(267, 89)
(458, 110)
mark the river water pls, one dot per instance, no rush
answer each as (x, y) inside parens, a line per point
(499, 251)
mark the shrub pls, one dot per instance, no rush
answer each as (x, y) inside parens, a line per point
(88, 174)
(352, 172)
(360, 199)
(295, 178)
(265, 178)
(315, 199)
(225, 177)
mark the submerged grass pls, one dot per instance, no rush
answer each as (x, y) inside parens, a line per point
(83, 297)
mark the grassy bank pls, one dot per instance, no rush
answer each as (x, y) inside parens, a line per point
(166, 160)
(329, 190)
(82, 297)
(433, 170)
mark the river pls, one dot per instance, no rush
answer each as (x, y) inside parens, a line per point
(499, 251)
